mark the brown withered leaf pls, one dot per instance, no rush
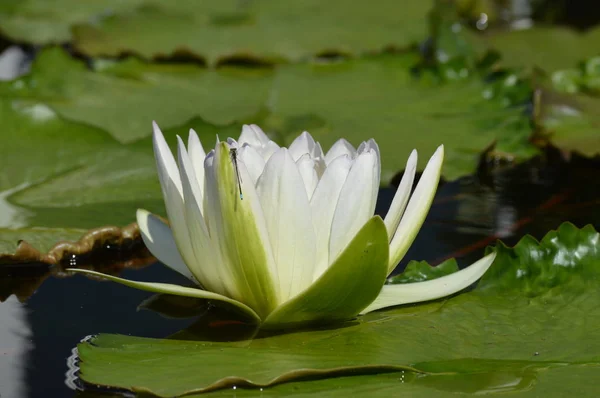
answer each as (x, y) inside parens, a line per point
(106, 249)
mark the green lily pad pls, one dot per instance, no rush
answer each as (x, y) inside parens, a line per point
(548, 48)
(375, 97)
(569, 106)
(41, 238)
(267, 30)
(420, 271)
(48, 163)
(124, 98)
(572, 122)
(379, 97)
(525, 382)
(44, 22)
(536, 309)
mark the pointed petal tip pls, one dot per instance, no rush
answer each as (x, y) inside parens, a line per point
(155, 131)
(141, 213)
(411, 163)
(393, 295)
(440, 151)
(141, 216)
(436, 161)
(257, 129)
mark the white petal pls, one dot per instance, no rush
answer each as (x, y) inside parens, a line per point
(367, 145)
(417, 209)
(319, 159)
(253, 160)
(323, 204)
(287, 214)
(197, 155)
(159, 240)
(214, 224)
(167, 168)
(264, 139)
(188, 175)
(168, 288)
(306, 166)
(391, 295)
(268, 150)
(341, 147)
(318, 151)
(206, 206)
(371, 145)
(303, 144)
(394, 214)
(356, 203)
(253, 135)
(239, 233)
(170, 183)
(206, 267)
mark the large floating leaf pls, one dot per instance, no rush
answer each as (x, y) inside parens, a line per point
(213, 29)
(375, 97)
(44, 22)
(124, 98)
(48, 163)
(537, 308)
(517, 379)
(58, 173)
(569, 107)
(572, 122)
(43, 239)
(379, 97)
(548, 48)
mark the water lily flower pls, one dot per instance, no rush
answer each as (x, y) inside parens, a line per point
(288, 235)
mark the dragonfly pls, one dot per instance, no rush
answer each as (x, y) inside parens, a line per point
(234, 157)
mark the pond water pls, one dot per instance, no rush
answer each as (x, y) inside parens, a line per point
(38, 335)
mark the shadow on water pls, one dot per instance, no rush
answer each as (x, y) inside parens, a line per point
(467, 215)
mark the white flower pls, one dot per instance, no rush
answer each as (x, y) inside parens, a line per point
(302, 244)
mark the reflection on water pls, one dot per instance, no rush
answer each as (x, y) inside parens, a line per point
(15, 345)
(484, 376)
(532, 198)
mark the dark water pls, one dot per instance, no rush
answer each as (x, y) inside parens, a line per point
(37, 337)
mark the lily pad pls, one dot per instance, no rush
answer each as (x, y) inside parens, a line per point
(526, 382)
(44, 22)
(266, 30)
(40, 148)
(375, 97)
(56, 173)
(419, 271)
(569, 105)
(536, 309)
(123, 98)
(572, 122)
(544, 47)
(380, 97)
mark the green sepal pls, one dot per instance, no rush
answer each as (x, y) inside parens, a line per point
(350, 284)
(168, 288)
